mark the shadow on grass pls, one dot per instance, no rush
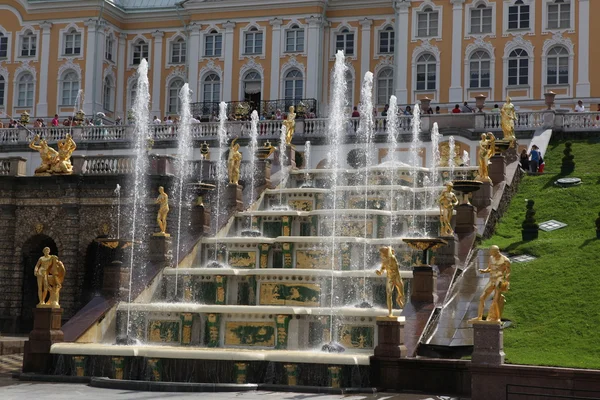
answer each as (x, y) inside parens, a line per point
(551, 181)
(588, 241)
(513, 246)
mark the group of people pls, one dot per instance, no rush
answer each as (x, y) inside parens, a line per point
(533, 161)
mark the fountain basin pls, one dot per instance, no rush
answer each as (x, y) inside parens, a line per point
(425, 245)
(466, 187)
(501, 146)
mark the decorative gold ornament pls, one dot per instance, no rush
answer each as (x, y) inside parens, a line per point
(487, 148)
(499, 283)
(24, 118)
(161, 218)
(290, 126)
(54, 162)
(234, 162)
(50, 273)
(389, 264)
(38, 228)
(104, 229)
(508, 117)
(447, 201)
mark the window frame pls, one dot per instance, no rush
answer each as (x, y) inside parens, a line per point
(428, 12)
(177, 104)
(214, 34)
(177, 42)
(17, 96)
(480, 69)
(427, 63)
(559, 6)
(32, 39)
(558, 58)
(61, 87)
(109, 48)
(416, 11)
(3, 90)
(506, 30)
(481, 8)
(253, 32)
(297, 83)
(74, 35)
(137, 41)
(519, 59)
(345, 33)
(205, 82)
(391, 39)
(111, 87)
(389, 85)
(295, 29)
(4, 37)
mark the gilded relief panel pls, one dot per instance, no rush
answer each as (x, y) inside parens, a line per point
(163, 331)
(291, 294)
(242, 259)
(301, 205)
(357, 337)
(312, 259)
(250, 334)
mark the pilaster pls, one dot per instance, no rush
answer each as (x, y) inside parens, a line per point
(194, 56)
(315, 34)
(42, 105)
(401, 50)
(456, 91)
(156, 71)
(365, 46)
(583, 50)
(275, 55)
(228, 67)
(121, 84)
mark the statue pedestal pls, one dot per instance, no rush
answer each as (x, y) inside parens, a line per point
(497, 169)
(262, 175)
(46, 331)
(466, 218)
(199, 220)
(488, 343)
(424, 284)
(115, 283)
(233, 198)
(161, 251)
(483, 197)
(390, 338)
(290, 156)
(447, 255)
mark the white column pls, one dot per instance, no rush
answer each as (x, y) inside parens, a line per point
(228, 70)
(42, 105)
(401, 50)
(455, 94)
(90, 57)
(99, 61)
(314, 47)
(194, 56)
(121, 84)
(583, 50)
(365, 47)
(156, 71)
(275, 55)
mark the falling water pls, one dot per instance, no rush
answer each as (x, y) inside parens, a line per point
(415, 147)
(336, 129)
(451, 155)
(118, 196)
(365, 135)
(465, 158)
(184, 149)
(306, 161)
(221, 163)
(392, 131)
(141, 137)
(435, 163)
(78, 101)
(282, 161)
(253, 149)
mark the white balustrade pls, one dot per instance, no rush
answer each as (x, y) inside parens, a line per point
(582, 121)
(4, 167)
(108, 165)
(9, 135)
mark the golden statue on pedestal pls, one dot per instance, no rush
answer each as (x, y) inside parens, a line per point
(487, 148)
(161, 218)
(508, 118)
(50, 273)
(54, 162)
(290, 126)
(47, 154)
(389, 264)
(234, 163)
(447, 201)
(66, 147)
(499, 283)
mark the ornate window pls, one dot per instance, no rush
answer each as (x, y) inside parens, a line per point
(479, 70)
(69, 88)
(385, 85)
(28, 44)
(253, 41)
(481, 19)
(211, 88)
(294, 39)
(426, 72)
(386, 40)
(518, 68)
(2, 90)
(293, 85)
(174, 104)
(557, 67)
(3, 46)
(140, 51)
(344, 40)
(72, 42)
(519, 16)
(559, 15)
(427, 22)
(107, 93)
(178, 51)
(108, 47)
(25, 91)
(213, 44)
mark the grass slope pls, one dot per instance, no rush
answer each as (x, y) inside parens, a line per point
(554, 301)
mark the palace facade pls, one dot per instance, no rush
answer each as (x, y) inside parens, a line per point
(263, 50)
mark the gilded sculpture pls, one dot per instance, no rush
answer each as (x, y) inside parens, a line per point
(389, 264)
(447, 201)
(290, 126)
(487, 148)
(508, 118)
(66, 147)
(54, 162)
(50, 274)
(161, 218)
(234, 162)
(499, 283)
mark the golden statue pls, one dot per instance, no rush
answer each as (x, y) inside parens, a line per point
(447, 202)
(290, 126)
(487, 148)
(66, 147)
(389, 264)
(161, 218)
(508, 118)
(47, 154)
(234, 162)
(50, 273)
(499, 283)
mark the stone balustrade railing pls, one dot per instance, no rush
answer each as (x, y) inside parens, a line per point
(13, 166)
(311, 128)
(103, 165)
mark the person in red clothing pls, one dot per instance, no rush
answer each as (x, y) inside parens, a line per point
(55, 121)
(355, 113)
(456, 109)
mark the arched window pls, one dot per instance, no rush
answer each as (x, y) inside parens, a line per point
(72, 43)
(427, 22)
(178, 51)
(70, 88)
(140, 51)
(252, 82)
(174, 103)
(426, 72)
(28, 44)
(345, 41)
(293, 85)
(25, 95)
(557, 71)
(386, 40)
(518, 67)
(2, 89)
(294, 39)
(211, 88)
(481, 19)
(253, 41)
(107, 93)
(479, 70)
(385, 85)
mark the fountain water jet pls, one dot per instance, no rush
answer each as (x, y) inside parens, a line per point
(221, 167)
(415, 148)
(306, 163)
(282, 163)
(392, 131)
(451, 155)
(253, 149)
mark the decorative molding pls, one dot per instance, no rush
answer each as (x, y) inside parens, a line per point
(25, 67)
(109, 71)
(209, 68)
(473, 6)
(570, 29)
(558, 40)
(276, 23)
(176, 73)
(479, 44)
(518, 43)
(384, 63)
(378, 29)
(293, 63)
(426, 48)
(336, 31)
(61, 42)
(415, 15)
(516, 32)
(66, 66)
(4, 72)
(242, 45)
(250, 65)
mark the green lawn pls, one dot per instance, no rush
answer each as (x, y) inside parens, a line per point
(554, 301)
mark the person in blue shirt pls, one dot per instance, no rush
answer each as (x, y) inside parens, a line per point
(534, 158)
